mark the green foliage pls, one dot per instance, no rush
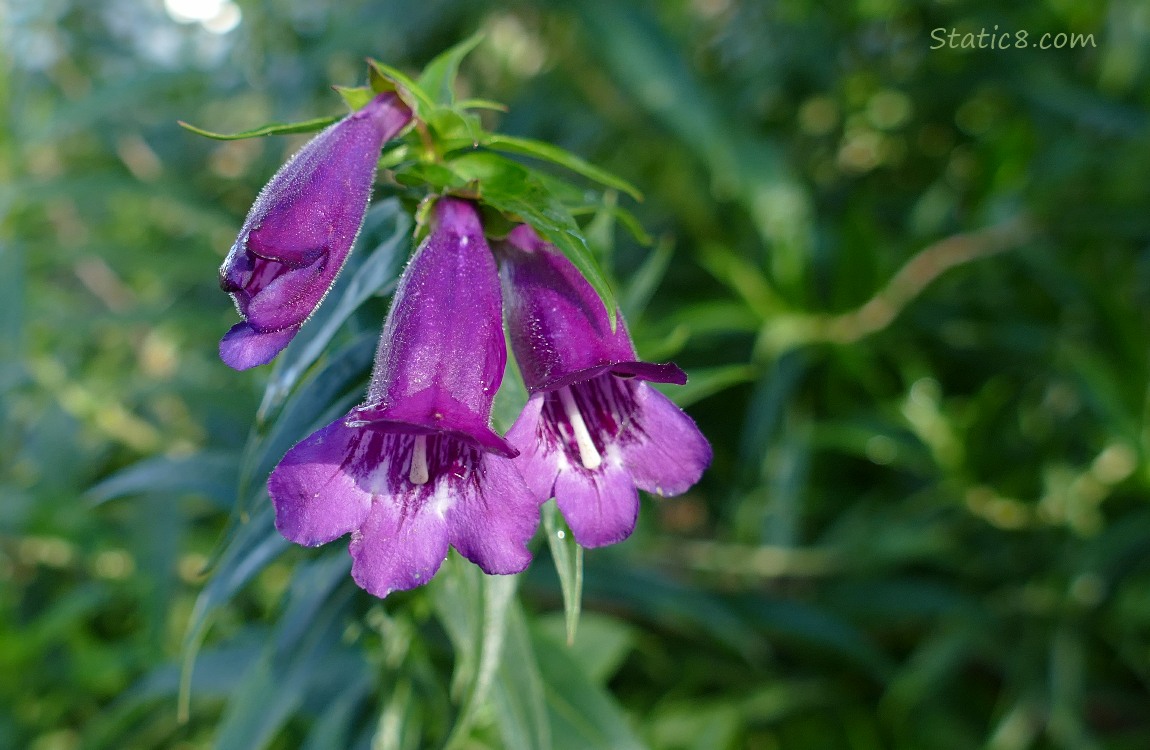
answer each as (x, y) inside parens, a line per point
(910, 287)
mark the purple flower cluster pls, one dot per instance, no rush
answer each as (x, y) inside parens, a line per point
(417, 467)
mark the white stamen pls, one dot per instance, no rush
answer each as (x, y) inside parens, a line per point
(587, 453)
(418, 473)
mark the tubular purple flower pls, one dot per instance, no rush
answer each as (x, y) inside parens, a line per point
(592, 431)
(417, 467)
(298, 233)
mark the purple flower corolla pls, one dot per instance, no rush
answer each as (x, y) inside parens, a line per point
(592, 430)
(417, 467)
(298, 233)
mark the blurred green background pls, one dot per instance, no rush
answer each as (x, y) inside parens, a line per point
(911, 286)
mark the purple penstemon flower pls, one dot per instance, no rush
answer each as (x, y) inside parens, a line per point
(592, 430)
(298, 233)
(417, 467)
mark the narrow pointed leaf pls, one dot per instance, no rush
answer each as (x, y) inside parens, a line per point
(518, 700)
(481, 104)
(438, 78)
(646, 280)
(568, 557)
(541, 150)
(277, 684)
(473, 609)
(275, 128)
(255, 545)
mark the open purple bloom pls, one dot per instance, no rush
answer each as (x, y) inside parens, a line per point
(592, 430)
(417, 467)
(300, 229)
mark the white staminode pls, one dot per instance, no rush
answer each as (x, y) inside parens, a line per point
(418, 473)
(588, 455)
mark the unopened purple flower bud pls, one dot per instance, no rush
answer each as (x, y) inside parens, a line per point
(300, 230)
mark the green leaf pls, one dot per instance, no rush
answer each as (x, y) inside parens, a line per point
(455, 129)
(518, 700)
(541, 150)
(646, 279)
(473, 609)
(255, 545)
(930, 668)
(673, 605)
(695, 725)
(394, 155)
(429, 176)
(620, 214)
(568, 557)
(275, 128)
(438, 78)
(643, 59)
(334, 726)
(307, 635)
(600, 231)
(714, 318)
(579, 202)
(386, 78)
(217, 671)
(13, 313)
(766, 410)
(583, 715)
(207, 473)
(481, 104)
(602, 645)
(819, 628)
(399, 725)
(356, 97)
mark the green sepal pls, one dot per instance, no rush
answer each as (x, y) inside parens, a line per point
(356, 97)
(383, 78)
(382, 81)
(275, 128)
